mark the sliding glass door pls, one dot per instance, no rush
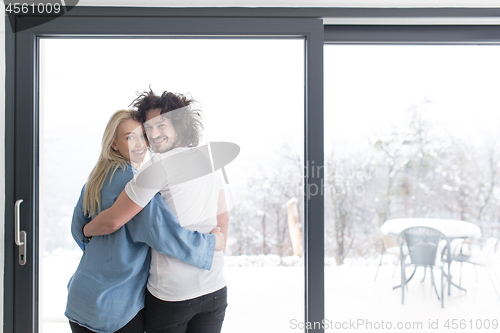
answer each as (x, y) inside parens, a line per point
(411, 135)
(258, 84)
(238, 105)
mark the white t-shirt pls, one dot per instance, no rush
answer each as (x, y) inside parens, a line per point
(194, 202)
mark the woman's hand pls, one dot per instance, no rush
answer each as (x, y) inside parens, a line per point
(220, 240)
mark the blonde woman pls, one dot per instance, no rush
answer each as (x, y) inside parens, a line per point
(180, 298)
(106, 293)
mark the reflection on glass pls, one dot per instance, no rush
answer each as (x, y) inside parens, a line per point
(411, 132)
(250, 92)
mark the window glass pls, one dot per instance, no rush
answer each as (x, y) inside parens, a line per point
(251, 93)
(411, 131)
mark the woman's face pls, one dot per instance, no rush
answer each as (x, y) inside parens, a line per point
(130, 141)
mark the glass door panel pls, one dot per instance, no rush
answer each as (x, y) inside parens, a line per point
(251, 92)
(411, 131)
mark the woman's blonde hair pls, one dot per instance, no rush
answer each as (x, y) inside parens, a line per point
(108, 159)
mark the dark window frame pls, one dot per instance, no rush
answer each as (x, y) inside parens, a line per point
(21, 282)
(412, 34)
(17, 75)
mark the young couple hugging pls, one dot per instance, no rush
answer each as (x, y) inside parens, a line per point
(153, 239)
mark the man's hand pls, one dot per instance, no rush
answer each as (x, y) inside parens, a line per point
(220, 241)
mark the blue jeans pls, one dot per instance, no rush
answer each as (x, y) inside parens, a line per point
(203, 314)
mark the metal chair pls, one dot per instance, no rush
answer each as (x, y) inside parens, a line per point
(478, 252)
(423, 243)
(392, 248)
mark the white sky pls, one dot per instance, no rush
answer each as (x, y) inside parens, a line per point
(370, 88)
(249, 91)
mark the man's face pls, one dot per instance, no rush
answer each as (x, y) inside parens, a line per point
(160, 131)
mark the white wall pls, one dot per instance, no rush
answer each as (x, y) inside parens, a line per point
(293, 3)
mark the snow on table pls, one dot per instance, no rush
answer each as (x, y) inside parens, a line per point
(451, 228)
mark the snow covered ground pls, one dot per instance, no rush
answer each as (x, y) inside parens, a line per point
(263, 297)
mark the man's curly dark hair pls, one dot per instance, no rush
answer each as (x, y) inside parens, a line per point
(186, 121)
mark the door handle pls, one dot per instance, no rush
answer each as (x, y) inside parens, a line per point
(20, 236)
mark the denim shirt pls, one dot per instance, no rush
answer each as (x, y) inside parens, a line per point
(108, 287)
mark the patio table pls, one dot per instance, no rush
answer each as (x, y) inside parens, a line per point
(450, 228)
(453, 229)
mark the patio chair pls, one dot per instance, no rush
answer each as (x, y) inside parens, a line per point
(423, 243)
(478, 252)
(391, 248)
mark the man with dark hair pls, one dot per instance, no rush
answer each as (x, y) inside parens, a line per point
(180, 297)
(177, 108)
